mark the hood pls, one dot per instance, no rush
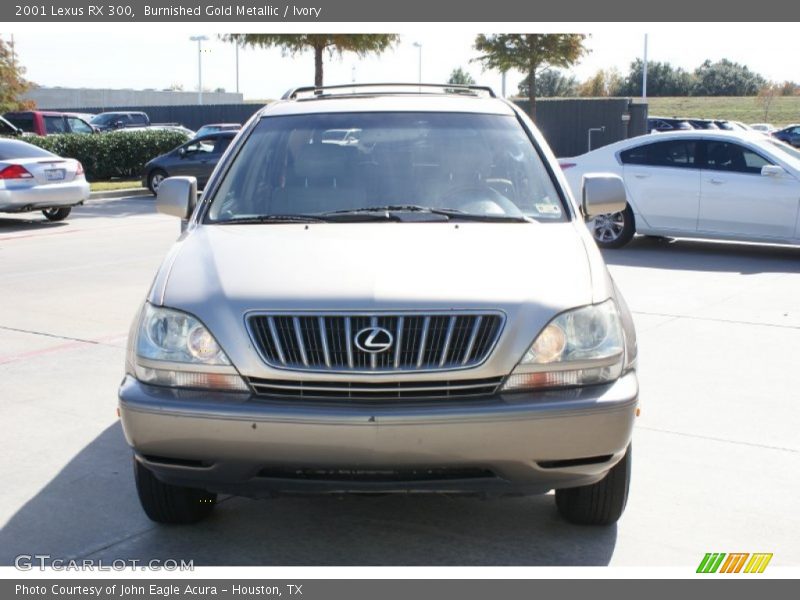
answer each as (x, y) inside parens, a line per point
(529, 271)
(380, 266)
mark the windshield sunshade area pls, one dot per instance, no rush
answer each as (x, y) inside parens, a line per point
(314, 165)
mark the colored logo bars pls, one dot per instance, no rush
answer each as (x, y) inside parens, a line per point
(737, 562)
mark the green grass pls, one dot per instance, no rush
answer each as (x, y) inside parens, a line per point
(784, 110)
(107, 186)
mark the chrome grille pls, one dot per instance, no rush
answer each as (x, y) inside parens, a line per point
(357, 390)
(419, 342)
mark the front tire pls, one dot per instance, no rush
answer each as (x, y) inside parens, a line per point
(57, 214)
(155, 179)
(613, 230)
(171, 504)
(601, 503)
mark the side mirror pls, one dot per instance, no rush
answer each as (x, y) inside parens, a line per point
(602, 194)
(772, 171)
(177, 196)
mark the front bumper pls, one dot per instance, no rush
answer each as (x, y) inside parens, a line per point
(242, 444)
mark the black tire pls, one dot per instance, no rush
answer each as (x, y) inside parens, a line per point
(613, 230)
(601, 503)
(155, 178)
(57, 214)
(171, 504)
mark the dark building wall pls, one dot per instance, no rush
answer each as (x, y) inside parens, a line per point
(565, 122)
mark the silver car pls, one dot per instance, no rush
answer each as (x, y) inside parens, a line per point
(417, 306)
(34, 179)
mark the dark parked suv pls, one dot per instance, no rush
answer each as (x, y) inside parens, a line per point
(659, 124)
(118, 120)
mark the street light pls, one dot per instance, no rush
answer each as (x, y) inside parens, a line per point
(237, 66)
(644, 70)
(199, 39)
(418, 46)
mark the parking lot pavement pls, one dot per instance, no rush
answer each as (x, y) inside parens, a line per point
(716, 448)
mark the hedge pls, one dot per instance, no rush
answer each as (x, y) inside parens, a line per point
(110, 155)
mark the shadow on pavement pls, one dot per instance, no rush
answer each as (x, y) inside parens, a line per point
(33, 221)
(692, 255)
(90, 509)
(115, 208)
(108, 208)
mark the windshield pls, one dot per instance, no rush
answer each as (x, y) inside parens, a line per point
(783, 147)
(477, 164)
(13, 149)
(105, 119)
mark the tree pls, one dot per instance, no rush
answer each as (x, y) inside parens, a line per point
(602, 84)
(530, 53)
(551, 84)
(12, 82)
(662, 80)
(726, 78)
(789, 88)
(766, 95)
(334, 43)
(459, 76)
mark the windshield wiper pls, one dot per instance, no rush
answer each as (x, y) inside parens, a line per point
(450, 213)
(272, 219)
(455, 213)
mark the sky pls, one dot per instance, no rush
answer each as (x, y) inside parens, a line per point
(142, 56)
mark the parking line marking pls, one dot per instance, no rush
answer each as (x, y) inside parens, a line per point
(72, 343)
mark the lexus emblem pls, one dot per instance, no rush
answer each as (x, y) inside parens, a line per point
(374, 340)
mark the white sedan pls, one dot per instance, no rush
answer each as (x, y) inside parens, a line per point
(34, 179)
(705, 184)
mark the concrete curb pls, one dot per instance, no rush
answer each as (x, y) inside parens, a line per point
(120, 193)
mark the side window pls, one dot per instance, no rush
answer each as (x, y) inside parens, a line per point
(724, 156)
(5, 129)
(675, 153)
(138, 119)
(206, 145)
(634, 156)
(76, 125)
(221, 144)
(54, 125)
(23, 122)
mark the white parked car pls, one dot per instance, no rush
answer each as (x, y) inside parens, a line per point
(762, 127)
(705, 184)
(34, 179)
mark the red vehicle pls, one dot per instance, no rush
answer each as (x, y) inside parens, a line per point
(43, 122)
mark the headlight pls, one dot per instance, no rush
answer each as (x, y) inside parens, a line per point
(173, 348)
(579, 347)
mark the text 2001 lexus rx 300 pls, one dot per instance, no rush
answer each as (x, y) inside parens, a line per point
(381, 290)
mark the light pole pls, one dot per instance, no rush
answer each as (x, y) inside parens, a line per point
(418, 46)
(237, 66)
(199, 39)
(644, 70)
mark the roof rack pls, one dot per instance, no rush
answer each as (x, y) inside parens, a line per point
(328, 91)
